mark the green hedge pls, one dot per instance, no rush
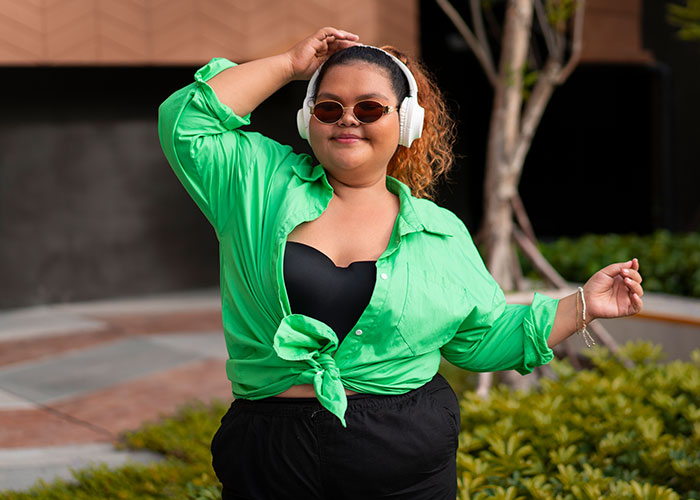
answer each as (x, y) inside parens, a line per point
(603, 433)
(669, 263)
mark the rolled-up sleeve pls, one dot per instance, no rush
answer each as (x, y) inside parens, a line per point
(211, 157)
(495, 335)
(508, 337)
(194, 128)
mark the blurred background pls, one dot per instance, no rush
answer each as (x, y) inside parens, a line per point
(89, 208)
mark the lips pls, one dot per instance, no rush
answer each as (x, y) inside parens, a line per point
(347, 138)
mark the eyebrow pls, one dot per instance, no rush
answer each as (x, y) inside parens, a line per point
(371, 95)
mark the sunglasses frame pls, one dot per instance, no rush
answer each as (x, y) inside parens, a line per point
(385, 110)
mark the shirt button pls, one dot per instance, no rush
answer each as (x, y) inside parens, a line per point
(384, 276)
(358, 332)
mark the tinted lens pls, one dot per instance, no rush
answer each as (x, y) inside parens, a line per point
(328, 111)
(368, 111)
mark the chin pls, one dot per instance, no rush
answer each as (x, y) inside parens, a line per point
(347, 160)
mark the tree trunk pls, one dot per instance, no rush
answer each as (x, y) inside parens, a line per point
(502, 175)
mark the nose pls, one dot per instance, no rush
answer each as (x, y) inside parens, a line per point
(348, 119)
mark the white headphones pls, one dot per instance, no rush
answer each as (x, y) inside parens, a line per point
(410, 112)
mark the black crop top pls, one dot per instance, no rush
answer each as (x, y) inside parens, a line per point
(316, 287)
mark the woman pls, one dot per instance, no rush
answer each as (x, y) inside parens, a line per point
(341, 285)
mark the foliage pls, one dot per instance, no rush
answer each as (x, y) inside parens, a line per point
(669, 263)
(560, 11)
(606, 433)
(686, 17)
(460, 380)
(185, 473)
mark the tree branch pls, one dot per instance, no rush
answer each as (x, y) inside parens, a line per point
(473, 43)
(608, 341)
(521, 217)
(537, 259)
(517, 31)
(577, 45)
(478, 20)
(547, 31)
(534, 110)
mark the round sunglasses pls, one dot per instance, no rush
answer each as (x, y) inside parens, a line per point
(364, 111)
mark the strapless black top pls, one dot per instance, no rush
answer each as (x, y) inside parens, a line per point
(316, 287)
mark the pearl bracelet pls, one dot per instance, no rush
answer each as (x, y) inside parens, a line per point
(584, 331)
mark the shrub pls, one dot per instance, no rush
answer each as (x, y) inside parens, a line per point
(670, 263)
(603, 433)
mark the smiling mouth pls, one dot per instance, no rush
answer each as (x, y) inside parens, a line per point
(347, 139)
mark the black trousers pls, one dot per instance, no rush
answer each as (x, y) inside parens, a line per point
(399, 447)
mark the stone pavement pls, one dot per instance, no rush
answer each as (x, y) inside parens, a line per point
(73, 376)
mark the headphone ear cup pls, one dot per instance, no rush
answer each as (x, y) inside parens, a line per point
(301, 124)
(417, 120)
(411, 116)
(403, 111)
(303, 118)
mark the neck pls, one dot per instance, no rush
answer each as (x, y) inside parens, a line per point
(360, 193)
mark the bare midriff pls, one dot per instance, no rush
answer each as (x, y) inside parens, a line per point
(305, 391)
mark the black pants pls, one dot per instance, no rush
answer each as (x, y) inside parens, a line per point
(399, 447)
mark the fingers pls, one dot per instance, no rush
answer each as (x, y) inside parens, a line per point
(339, 45)
(633, 282)
(634, 287)
(631, 267)
(637, 303)
(338, 40)
(613, 270)
(631, 273)
(329, 40)
(335, 34)
(632, 278)
(308, 54)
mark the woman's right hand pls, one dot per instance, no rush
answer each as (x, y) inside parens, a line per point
(307, 55)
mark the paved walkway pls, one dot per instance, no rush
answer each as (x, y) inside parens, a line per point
(73, 376)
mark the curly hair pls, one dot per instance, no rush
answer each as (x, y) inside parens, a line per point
(430, 157)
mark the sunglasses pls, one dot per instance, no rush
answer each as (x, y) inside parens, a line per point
(364, 111)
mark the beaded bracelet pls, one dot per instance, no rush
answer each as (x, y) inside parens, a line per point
(584, 331)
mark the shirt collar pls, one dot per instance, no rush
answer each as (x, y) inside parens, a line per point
(307, 173)
(413, 212)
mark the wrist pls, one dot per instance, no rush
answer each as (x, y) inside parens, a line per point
(286, 67)
(590, 316)
(583, 313)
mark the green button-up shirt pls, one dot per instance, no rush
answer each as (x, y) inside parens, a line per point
(432, 294)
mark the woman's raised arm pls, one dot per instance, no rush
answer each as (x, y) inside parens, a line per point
(197, 124)
(244, 87)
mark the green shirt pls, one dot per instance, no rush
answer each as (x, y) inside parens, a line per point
(433, 295)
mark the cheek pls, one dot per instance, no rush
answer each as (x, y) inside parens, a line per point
(390, 132)
(316, 133)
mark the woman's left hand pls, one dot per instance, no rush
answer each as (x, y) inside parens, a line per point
(614, 291)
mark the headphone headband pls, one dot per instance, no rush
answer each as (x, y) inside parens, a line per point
(410, 112)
